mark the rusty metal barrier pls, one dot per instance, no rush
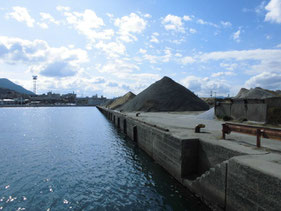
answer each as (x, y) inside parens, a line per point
(270, 133)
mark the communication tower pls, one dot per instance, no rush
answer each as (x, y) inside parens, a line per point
(34, 77)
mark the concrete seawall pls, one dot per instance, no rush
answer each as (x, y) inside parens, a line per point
(226, 175)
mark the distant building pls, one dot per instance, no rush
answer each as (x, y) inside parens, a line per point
(53, 98)
(7, 102)
(90, 101)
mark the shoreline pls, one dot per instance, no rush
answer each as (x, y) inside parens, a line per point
(26, 106)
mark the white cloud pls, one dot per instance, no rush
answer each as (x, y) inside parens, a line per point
(89, 24)
(147, 16)
(167, 55)
(130, 25)
(174, 23)
(21, 15)
(226, 24)
(260, 8)
(260, 59)
(110, 15)
(62, 8)
(187, 60)
(218, 74)
(274, 11)
(228, 66)
(267, 80)
(142, 51)
(192, 31)
(187, 18)
(48, 17)
(203, 86)
(162, 57)
(178, 55)
(98, 80)
(278, 46)
(112, 49)
(268, 37)
(58, 69)
(256, 54)
(84, 21)
(202, 22)
(40, 57)
(118, 68)
(43, 25)
(124, 84)
(153, 59)
(154, 37)
(236, 36)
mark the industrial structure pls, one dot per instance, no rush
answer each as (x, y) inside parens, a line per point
(34, 77)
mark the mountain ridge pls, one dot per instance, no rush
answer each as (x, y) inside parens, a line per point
(7, 84)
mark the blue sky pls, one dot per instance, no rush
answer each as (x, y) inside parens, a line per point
(111, 47)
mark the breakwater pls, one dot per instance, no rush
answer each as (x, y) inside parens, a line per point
(224, 174)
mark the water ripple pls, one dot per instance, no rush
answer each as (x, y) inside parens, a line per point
(74, 159)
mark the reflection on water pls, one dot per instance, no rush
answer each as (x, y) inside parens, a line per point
(73, 158)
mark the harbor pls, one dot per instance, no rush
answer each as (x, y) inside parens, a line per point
(231, 174)
(140, 105)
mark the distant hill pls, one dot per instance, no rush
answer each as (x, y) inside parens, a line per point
(7, 84)
(11, 94)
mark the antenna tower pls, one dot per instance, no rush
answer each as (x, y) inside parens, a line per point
(34, 77)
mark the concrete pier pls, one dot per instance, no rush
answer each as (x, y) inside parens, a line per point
(227, 174)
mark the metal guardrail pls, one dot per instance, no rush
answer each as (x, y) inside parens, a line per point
(270, 133)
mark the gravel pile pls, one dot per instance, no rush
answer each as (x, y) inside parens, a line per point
(121, 100)
(165, 95)
(256, 93)
(107, 102)
(208, 115)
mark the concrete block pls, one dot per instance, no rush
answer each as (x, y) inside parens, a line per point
(223, 109)
(257, 112)
(211, 154)
(239, 110)
(253, 184)
(189, 157)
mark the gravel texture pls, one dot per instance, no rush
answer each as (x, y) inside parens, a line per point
(165, 95)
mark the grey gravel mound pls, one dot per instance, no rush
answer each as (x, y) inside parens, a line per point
(256, 93)
(242, 93)
(107, 102)
(121, 100)
(165, 95)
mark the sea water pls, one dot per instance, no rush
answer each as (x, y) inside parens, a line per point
(73, 158)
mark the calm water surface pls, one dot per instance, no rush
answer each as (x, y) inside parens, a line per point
(74, 159)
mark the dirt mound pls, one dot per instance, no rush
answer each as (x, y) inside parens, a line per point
(256, 93)
(121, 100)
(165, 95)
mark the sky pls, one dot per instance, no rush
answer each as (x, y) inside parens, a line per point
(111, 47)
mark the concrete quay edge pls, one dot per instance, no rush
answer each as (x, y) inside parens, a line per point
(224, 174)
